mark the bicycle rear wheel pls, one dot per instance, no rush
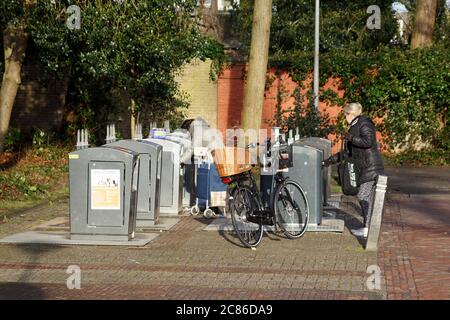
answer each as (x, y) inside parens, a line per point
(291, 209)
(248, 227)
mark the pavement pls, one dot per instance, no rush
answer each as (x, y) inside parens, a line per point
(414, 252)
(186, 262)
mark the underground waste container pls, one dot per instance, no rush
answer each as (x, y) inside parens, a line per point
(172, 179)
(103, 193)
(149, 188)
(325, 146)
(307, 171)
(183, 138)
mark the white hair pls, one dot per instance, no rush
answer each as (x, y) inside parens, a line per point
(354, 108)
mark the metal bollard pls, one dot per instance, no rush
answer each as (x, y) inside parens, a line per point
(138, 132)
(110, 133)
(377, 214)
(167, 125)
(291, 138)
(82, 139)
(297, 134)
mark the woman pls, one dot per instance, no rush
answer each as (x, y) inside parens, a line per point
(363, 148)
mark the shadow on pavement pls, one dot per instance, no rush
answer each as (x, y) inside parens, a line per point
(423, 180)
(352, 219)
(232, 237)
(23, 289)
(424, 212)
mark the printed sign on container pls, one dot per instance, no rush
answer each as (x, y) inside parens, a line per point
(105, 189)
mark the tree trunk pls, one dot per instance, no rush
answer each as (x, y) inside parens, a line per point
(257, 66)
(214, 8)
(424, 21)
(208, 22)
(133, 118)
(15, 46)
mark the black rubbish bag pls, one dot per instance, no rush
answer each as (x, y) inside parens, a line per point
(348, 173)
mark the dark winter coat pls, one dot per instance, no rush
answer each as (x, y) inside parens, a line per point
(362, 146)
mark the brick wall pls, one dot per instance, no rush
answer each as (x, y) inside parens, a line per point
(202, 91)
(40, 102)
(231, 97)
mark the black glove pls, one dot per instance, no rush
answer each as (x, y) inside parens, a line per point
(327, 162)
(348, 136)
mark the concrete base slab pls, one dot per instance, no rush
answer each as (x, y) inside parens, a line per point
(164, 224)
(63, 238)
(101, 237)
(328, 225)
(327, 214)
(62, 224)
(180, 213)
(333, 202)
(57, 224)
(225, 224)
(145, 223)
(170, 212)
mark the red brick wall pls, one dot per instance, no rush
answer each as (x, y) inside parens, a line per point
(40, 103)
(231, 96)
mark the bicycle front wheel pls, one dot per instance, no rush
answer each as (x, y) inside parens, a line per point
(248, 227)
(291, 209)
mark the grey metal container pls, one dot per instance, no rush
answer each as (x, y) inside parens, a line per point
(307, 171)
(325, 146)
(103, 193)
(149, 188)
(172, 179)
(188, 167)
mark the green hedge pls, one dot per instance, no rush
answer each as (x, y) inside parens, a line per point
(410, 89)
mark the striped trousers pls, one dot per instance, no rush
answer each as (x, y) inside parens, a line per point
(365, 196)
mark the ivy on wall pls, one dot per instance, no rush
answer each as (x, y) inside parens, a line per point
(409, 89)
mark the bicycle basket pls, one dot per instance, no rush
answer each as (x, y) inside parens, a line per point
(230, 161)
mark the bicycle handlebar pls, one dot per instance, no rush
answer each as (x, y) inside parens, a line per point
(252, 145)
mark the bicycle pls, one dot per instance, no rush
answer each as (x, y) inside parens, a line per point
(287, 211)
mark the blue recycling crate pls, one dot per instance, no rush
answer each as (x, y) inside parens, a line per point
(158, 133)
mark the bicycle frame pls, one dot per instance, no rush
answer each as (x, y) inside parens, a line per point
(248, 176)
(266, 213)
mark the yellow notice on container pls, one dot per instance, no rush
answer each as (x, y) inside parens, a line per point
(105, 189)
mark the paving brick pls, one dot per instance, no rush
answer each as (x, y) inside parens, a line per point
(411, 254)
(188, 263)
